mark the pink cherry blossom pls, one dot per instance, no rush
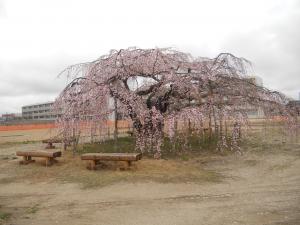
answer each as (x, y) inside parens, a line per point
(156, 87)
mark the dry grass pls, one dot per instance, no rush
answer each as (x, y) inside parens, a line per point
(14, 143)
(270, 140)
(189, 167)
(18, 136)
(72, 169)
(4, 217)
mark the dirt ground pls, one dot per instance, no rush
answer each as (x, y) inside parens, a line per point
(258, 187)
(25, 135)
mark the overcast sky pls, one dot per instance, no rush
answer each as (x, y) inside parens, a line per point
(38, 39)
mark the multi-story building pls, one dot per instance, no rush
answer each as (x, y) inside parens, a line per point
(41, 111)
(252, 111)
(295, 104)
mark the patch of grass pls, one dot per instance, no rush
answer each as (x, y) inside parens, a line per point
(168, 149)
(14, 143)
(280, 167)
(29, 142)
(181, 165)
(4, 216)
(123, 144)
(184, 158)
(33, 209)
(71, 169)
(178, 164)
(7, 180)
(162, 171)
(251, 162)
(271, 141)
(145, 170)
(8, 157)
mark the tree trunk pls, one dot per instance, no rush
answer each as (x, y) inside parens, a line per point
(115, 120)
(74, 143)
(215, 123)
(210, 126)
(226, 127)
(175, 135)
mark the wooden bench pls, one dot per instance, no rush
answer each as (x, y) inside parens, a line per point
(96, 158)
(49, 155)
(50, 142)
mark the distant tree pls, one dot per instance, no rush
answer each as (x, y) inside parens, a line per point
(158, 86)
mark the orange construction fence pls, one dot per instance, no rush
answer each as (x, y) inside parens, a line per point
(121, 124)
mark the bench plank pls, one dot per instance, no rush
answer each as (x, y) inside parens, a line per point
(49, 155)
(112, 156)
(51, 141)
(41, 153)
(95, 158)
(58, 140)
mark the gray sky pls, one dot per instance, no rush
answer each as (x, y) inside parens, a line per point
(38, 39)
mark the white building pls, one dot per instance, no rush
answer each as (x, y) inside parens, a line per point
(40, 111)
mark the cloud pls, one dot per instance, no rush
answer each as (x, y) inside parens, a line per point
(40, 38)
(1, 6)
(30, 77)
(274, 50)
(30, 81)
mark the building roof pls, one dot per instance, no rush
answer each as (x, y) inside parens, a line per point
(42, 103)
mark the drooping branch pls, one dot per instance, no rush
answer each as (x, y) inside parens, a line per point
(154, 85)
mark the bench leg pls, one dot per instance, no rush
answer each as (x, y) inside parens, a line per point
(26, 160)
(91, 165)
(126, 165)
(49, 161)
